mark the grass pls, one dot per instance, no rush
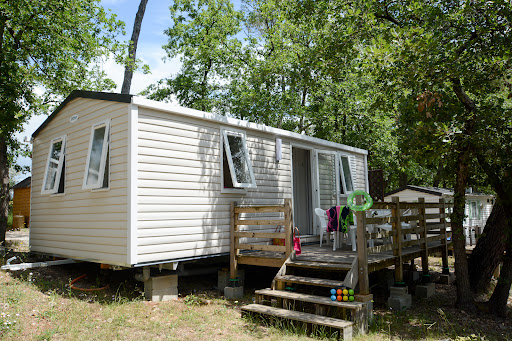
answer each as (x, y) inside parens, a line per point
(32, 310)
(39, 305)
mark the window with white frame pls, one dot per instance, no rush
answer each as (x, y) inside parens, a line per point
(473, 209)
(346, 181)
(97, 166)
(237, 170)
(327, 179)
(55, 173)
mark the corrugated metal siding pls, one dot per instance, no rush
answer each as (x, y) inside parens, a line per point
(82, 224)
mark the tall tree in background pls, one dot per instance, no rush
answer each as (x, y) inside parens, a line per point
(298, 68)
(46, 50)
(450, 60)
(132, 48)
(203, 35)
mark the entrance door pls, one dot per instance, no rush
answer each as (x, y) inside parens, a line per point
(302, 191)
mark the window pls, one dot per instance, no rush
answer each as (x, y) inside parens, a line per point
(237, 170)
(346, 182)
(474, 210)
(97, 167)
(54, 176)
(327, 179)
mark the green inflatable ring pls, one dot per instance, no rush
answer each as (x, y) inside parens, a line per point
(354, 207)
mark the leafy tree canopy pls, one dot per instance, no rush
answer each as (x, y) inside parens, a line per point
(47, 49)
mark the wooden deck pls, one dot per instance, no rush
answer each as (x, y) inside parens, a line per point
(314, 255)
(382, 241)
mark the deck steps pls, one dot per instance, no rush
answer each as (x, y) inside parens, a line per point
(345, 327)
(306, 298)
(343, 318)
(319, 282)
(320, 265)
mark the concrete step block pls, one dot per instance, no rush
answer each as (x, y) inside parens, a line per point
(161, 288)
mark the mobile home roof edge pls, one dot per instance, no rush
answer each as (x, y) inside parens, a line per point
(104, 96)
(167, 107)
(414, 188)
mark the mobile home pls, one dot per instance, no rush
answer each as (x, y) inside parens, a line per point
(123, 180)
(478, 206)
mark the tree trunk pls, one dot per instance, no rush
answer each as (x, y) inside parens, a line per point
(488, 251)
(464, 146)
(439, 175)
(498, 301)
(464, 293)
(132, 49)
(4, 190)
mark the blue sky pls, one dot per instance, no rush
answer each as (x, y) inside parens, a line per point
(149, 50)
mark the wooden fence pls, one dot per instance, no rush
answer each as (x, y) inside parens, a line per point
(284, 220)
(429, 228)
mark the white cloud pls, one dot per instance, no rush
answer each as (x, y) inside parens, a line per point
(151, 55)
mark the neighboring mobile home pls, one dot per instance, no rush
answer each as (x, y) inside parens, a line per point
(21, 200)
(478, 205)
(122, 180)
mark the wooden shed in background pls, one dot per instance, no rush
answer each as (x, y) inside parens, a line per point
(21, 200)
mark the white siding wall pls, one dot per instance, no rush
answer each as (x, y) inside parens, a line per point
(181, 210)
(82, 224)
(482, 200)
(408, 195)
(412, 196)
(483, 212)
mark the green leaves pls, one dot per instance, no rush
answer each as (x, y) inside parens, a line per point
(203, 35)
(51, 46)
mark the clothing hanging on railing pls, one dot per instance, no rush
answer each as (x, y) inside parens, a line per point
(338, 219)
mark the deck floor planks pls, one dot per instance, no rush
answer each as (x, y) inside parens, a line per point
(343, 258)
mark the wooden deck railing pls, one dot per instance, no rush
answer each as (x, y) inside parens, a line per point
(261, 244)
(427, 227)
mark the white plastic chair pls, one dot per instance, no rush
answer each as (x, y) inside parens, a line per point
(387, 226)
(322, 215)
(323, 228)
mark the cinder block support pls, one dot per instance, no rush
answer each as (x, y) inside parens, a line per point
(224, 281)
(161, 288)
(446, 279)
(233, 292)
(425, 290)
(399, 299)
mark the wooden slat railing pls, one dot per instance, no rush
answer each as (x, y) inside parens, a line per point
(264, 237)
(428, 227)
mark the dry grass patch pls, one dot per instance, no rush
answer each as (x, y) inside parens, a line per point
(39, 305)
